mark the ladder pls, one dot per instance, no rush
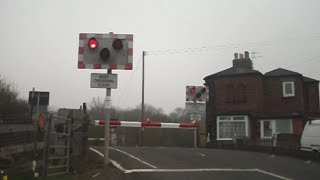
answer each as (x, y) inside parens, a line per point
(57, 149)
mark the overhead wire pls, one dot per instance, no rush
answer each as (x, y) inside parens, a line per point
(227, 45)
(304, 61)
(123, 98)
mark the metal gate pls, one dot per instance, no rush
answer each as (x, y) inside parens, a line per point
(58, 146)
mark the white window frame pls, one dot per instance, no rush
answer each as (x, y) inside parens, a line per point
(273, 127)
(232, 120)
(284, 89)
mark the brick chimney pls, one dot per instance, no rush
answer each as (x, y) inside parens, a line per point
(243, 61)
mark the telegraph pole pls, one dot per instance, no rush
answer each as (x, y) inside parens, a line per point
(142, 103)
(34, 125)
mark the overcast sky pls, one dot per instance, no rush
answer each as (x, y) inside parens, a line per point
(39, 44)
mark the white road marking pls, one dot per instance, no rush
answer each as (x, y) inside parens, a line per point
(95, 175)
(308, 162)
(126, 171)
(189, 170)
(96, 151)
(201, 154)
(150, 165)
(272, 156)
(206, 170)
(116, 164)
(272, 174)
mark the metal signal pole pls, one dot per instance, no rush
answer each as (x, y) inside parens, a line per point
(107, 125)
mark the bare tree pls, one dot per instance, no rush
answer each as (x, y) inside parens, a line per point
(10, 103)
(178, 115)
(97, 109)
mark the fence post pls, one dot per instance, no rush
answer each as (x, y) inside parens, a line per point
(68, 144)
(46, 147)
(195, 138)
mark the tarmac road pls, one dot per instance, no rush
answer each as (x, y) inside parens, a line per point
(155, 163)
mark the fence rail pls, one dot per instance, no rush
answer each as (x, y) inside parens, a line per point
(13, 138)
(15, 149)
(16, 119)
(9, 128)
(18, 134)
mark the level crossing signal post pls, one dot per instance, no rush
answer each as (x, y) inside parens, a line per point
(196, 98)
(105, 51)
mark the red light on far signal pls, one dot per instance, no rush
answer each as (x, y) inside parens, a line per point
(193, 90)
(93, 43)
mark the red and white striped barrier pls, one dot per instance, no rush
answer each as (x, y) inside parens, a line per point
(147, 124)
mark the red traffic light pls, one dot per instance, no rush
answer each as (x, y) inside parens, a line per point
(193, 90)
(93, 43)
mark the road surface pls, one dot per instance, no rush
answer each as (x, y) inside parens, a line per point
(207, 164)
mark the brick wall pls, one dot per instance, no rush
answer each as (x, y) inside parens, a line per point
(311, 97)
(297, 126)
(274, 102)
(263, 98)
(227, 95)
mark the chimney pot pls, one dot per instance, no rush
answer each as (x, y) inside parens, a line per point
(235, 55)
(246, 55)
(242, 62)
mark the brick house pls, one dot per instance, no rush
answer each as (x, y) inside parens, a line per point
(243, 102)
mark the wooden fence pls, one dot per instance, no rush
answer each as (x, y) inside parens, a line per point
(18, 134)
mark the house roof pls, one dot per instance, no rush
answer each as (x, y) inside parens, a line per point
(307, 79)
(233, 71)
(236, 71)
(285, 72)
(282, 72)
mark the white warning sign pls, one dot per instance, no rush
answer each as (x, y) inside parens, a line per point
(104, 80)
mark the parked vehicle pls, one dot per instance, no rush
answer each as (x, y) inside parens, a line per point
(310, 140)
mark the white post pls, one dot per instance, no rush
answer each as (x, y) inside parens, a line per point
(107, 125)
